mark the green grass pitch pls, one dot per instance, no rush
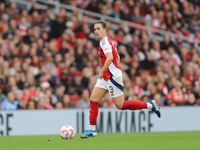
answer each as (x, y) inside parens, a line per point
(117, 141)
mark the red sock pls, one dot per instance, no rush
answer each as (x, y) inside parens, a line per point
(94, 108)
(133, 105)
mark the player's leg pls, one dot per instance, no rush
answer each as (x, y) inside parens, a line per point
(116, 90)
(98, 92)
(95, 97)
(118, 101)
(135, 105)
(115, 87)
(130, 104)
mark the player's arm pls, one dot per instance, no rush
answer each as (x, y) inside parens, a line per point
(109, 59)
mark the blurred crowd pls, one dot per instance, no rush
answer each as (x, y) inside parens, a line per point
(50, 61)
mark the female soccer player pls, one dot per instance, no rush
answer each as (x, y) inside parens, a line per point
(110, 80)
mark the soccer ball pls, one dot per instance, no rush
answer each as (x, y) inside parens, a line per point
(67, 132)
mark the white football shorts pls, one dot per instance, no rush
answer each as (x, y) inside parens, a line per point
(114, 85)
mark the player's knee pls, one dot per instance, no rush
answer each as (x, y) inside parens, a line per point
(119, 107)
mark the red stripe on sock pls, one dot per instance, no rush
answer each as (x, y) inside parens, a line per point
(133, 105)
(94, 108)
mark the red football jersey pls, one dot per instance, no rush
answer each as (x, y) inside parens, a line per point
(107, 45)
